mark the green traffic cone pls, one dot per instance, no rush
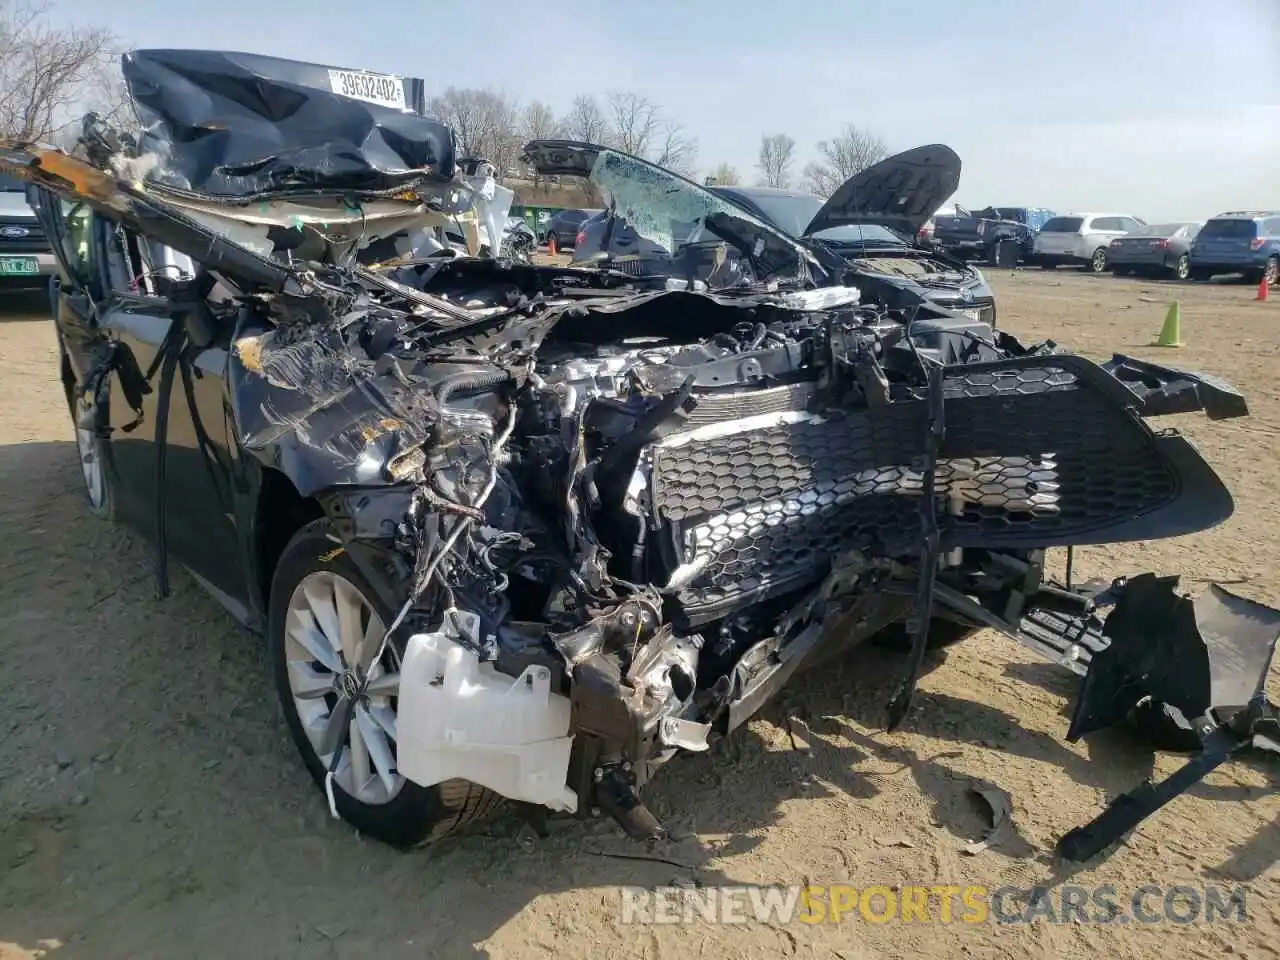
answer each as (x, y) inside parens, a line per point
(1171, 332)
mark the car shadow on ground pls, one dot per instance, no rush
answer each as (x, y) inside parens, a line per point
(23, 305)
(153, 805)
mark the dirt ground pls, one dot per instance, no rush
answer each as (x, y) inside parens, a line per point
(151, 805)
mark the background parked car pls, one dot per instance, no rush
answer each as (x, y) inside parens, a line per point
(26, 258)
(564, 226)
(1158, 248)
(981, 233)
(925, 236)
(1082, 239)
(1245, 242)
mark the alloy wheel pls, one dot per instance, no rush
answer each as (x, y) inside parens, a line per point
(1271, 272)
(1183, 267)
(91, 467)
(1099, 261)
(343, 702)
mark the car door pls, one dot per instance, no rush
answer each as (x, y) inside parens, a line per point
(107, 386)
(1103, 230)
(166, 418)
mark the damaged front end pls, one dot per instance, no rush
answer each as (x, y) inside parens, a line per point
(614, 513)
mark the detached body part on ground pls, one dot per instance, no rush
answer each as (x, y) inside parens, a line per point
(538, 530)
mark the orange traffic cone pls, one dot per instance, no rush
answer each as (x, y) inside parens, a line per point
(551, 244)
(1263, 289)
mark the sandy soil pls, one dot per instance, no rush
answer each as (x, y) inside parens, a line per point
(151, 805)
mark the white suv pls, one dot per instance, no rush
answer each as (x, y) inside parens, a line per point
(1081, 239)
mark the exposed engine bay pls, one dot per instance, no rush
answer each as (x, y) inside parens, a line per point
(652, 506)
(616, 513)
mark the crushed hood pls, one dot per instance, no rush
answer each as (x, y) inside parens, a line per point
(241, 126)
(667, 209)
(901, 192)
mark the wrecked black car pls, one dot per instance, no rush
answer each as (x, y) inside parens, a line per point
(532, 531)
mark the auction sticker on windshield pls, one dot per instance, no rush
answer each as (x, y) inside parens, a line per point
(370, 87)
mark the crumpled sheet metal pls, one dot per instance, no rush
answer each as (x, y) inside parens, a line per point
(239, 125)
(323, 415)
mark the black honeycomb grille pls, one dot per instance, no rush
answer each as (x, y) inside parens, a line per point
(1033, 457)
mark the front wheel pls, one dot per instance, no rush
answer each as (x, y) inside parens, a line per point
(1271, 272)
(91, 449)
(1182, 267)
(324, 620)
(1098, 262)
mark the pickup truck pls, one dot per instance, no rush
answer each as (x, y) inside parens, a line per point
(979, 234)
(26, 258)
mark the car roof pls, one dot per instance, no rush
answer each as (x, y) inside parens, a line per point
(1096, 213)
(1246, 214)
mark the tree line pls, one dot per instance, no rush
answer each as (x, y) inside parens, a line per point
(494, 126)
(50, 75)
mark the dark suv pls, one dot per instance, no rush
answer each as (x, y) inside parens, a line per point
(26, 259)
(1245, 242)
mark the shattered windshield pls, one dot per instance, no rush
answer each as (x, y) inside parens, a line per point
(675, 215)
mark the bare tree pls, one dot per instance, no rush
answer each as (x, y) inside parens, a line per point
(777, 151)
(674, 149)
(635, 122)
(538, 122)
(585, 120)
(724, 175)
(45, 70)
(485, 123)
(110, 98)
(841, 157)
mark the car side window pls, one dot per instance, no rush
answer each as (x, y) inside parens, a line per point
(1101, 223)
(130, 265)
(1128, 223)
(78, 219)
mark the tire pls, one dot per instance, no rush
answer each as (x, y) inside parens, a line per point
(408, 815)
(1181, 268)
(1271, 272)
(94, 455)
(1098, 262)
(942, 634)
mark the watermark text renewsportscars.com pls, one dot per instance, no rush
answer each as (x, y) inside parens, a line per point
(935, 903)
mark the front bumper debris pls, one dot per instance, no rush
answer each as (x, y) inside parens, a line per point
(1204, 663)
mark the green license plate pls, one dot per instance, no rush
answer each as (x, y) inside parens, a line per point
(18, 266)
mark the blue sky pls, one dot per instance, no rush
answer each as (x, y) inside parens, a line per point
(1162, 108)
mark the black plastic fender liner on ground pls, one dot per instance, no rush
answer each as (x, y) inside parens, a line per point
(1208, 659)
